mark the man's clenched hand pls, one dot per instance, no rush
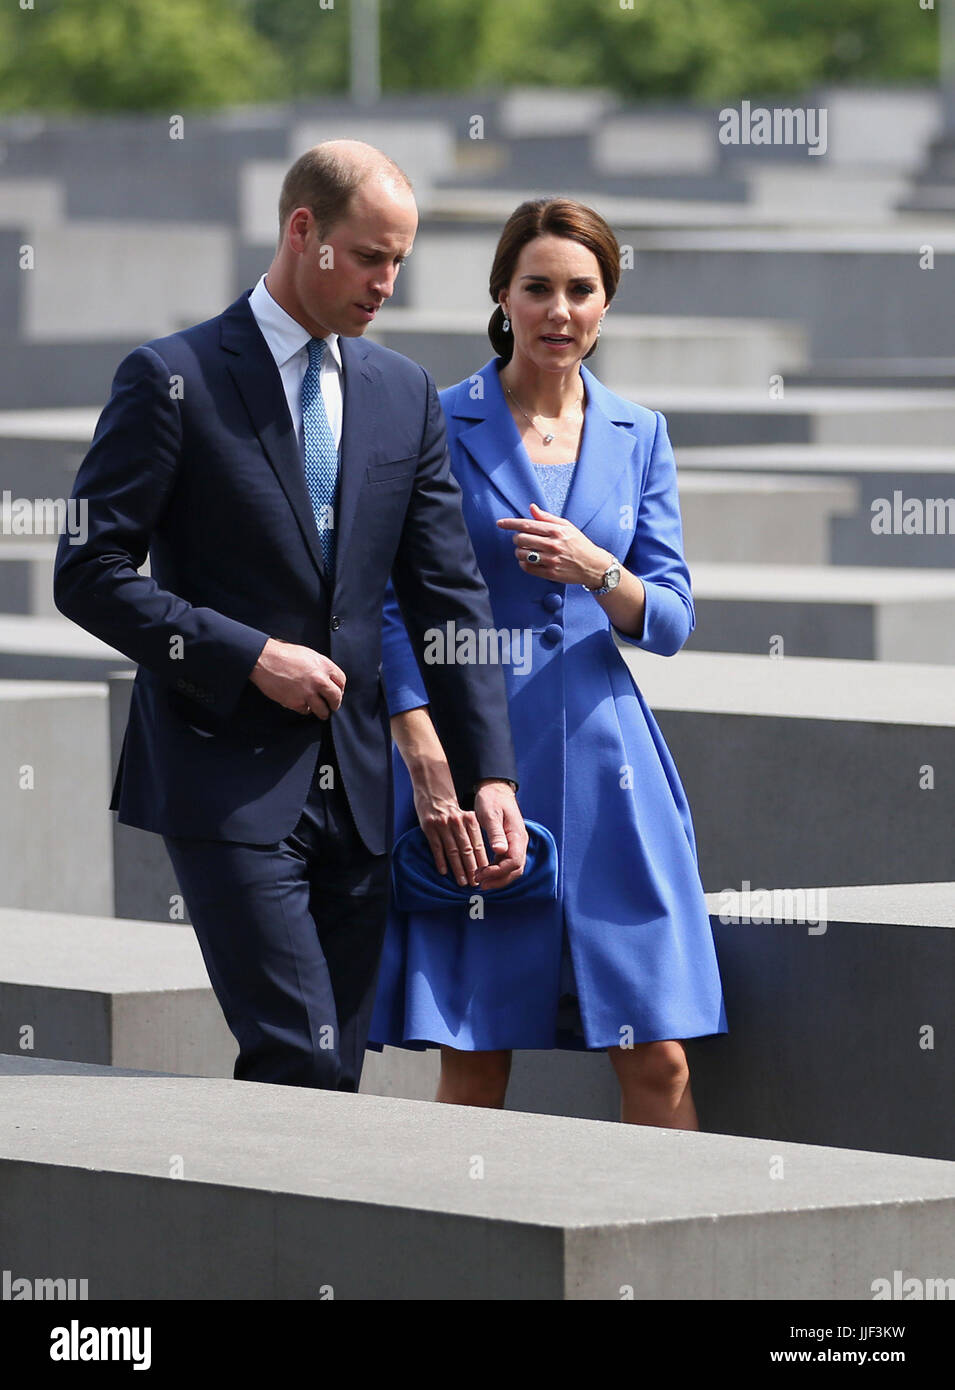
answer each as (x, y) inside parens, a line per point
(299, 678)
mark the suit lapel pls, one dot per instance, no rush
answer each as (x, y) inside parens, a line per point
(252, 368)
(359, 427)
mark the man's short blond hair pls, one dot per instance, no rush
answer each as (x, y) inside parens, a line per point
(323, 181)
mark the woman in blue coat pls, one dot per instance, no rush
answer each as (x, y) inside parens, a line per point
(571, 501)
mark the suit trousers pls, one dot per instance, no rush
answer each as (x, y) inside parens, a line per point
(291, 935)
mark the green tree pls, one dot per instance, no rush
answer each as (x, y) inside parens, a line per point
(174, 54)
(313, 42)
(101, 55)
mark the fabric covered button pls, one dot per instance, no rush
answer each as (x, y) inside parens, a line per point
(552, 634)
(553, 602)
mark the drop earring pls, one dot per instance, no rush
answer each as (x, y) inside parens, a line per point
(506, 324)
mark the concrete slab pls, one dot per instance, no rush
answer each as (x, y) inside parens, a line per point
(633, 347)
(53, 648)
(117, 279)
(838, 1000)
(760, 518)
(110, 991)
(804, 771)
(55, 835)
(253, 1191)
(825, 611)
(806, 415)
(906, 495)
(858, 292)
(26, 578)
(57, 374)
(71, 424)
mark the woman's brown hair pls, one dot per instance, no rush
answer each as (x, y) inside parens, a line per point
(548, 217)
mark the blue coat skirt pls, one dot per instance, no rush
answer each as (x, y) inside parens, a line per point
(594, 768)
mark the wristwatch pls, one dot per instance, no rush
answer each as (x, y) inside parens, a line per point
(610, 580)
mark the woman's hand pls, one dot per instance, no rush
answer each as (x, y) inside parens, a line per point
(454, 835)
(566, 555)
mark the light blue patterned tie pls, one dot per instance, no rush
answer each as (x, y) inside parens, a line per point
(321, 455)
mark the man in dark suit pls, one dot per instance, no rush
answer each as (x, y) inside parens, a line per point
(278, 470)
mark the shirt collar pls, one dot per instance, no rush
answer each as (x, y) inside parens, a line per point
(284, 335)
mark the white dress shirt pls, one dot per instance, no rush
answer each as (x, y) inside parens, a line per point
(287, 341)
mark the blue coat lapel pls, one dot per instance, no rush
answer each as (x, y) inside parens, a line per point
(606, 449)
(492, 440)
(252, 368)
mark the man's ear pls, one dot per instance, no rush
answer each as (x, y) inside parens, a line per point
(299, 222)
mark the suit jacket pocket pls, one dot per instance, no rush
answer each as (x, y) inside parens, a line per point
(395, 470)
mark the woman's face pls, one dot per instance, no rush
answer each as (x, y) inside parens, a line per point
(555, 302)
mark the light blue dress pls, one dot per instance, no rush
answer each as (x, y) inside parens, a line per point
(625, 954)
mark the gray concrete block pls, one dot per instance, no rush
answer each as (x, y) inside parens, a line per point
(906, 495)
(633, 348)
(820, 415)
(30, 202)
(838, 1024)
(106, 165)
(858, 293)
(254, 1191)
(109, 991)
(524, 111)
(38, 375)
(124, 279)
(12, 239)
(40, 452)
(760, 518)
(824, 611)
(55, 850)
(26, 578)
(582, 1085)
(53, 649)
(802, 771)
(24, 1064)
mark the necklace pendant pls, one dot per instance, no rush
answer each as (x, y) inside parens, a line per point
(548, 438)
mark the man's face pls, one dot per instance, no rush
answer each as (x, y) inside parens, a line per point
(342, 281)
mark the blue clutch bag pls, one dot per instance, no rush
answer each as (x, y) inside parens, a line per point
(418, 887)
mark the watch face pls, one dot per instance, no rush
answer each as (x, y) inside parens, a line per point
(612, 577)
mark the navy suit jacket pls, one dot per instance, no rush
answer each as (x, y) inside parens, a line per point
(195, 462)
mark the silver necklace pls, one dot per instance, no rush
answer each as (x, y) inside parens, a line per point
(545, 438)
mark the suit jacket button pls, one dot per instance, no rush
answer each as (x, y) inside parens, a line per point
(336, 622)
(552, 634)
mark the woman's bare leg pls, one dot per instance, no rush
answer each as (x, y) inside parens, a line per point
(474, 1078)
(654, 1085)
